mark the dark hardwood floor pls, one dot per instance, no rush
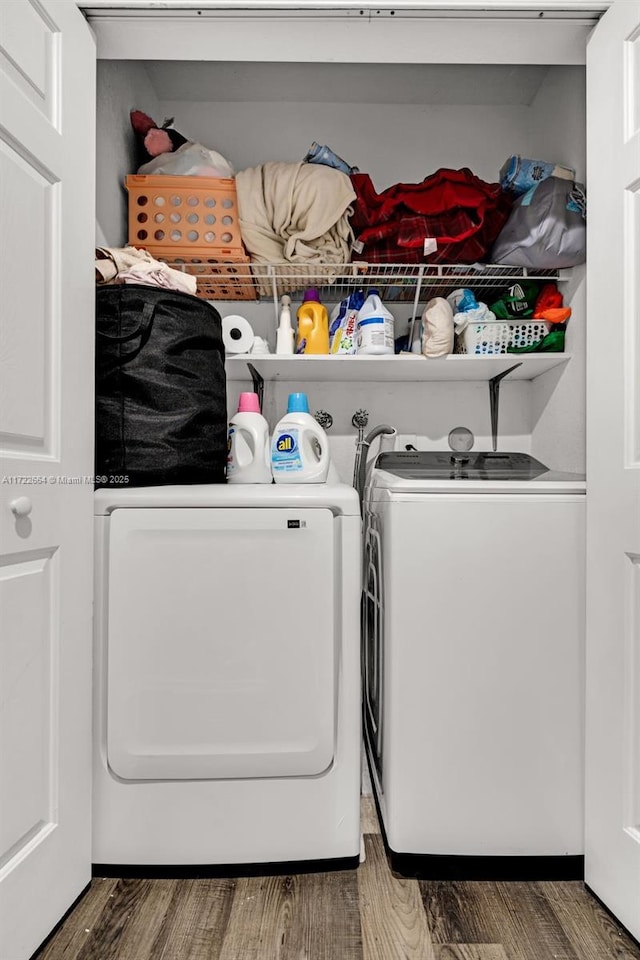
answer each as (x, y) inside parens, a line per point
(364, 914)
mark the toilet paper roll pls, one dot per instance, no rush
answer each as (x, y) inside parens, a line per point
(237, 334)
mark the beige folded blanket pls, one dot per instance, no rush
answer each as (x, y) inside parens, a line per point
(298, 212)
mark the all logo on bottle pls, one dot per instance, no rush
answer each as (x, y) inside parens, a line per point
(285, 443)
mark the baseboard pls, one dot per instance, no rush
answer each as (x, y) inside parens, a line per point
(228, 870)
(442, 867)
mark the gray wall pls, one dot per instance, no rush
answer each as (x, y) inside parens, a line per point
(558, 131)
(122, 86)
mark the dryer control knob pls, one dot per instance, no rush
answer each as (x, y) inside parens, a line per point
(461, 439)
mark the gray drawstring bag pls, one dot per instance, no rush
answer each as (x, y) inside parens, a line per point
(546, 228)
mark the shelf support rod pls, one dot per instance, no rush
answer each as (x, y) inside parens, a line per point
(274, 285)
(416, 301)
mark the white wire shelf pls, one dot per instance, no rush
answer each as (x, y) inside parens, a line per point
(231, 280)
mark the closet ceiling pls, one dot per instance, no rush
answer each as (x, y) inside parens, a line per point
(437, 84)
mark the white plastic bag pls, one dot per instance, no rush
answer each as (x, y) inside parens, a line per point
(189, 160)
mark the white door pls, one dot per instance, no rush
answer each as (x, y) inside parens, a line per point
(47, 106)
(222, 632)
(613, 465)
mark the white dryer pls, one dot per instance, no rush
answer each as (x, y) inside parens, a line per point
(474, 663)
(227, 674)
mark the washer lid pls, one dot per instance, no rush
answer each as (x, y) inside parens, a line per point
(340, 498)
(449, 465)
(413, 473)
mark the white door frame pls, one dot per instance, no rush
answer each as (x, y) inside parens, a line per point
(47, 198)
(612, 860)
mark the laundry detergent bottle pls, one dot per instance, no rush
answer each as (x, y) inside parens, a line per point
(300, 447)
(374, 327)
(248, 459)
(313, 325)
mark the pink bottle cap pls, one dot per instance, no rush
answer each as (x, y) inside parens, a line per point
(248, 403)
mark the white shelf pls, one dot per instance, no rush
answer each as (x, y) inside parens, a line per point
(405, 367)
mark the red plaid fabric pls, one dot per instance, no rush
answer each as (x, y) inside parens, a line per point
(457, 209)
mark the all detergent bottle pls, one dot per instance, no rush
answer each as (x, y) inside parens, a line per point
(300, 447)
(248, 459)
(313, 325)
(374, 327)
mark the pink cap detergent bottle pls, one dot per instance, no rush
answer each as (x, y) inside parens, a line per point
(248, 451)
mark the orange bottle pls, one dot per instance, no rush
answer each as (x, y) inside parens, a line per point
(313, 325)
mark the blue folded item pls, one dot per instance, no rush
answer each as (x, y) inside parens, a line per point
(467, 302)
(519, 174)
(325, 155)
(462, 300)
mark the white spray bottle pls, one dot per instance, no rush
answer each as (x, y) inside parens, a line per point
(285, 335)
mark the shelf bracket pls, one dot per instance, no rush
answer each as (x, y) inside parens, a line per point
(258, 383)
(494, 400)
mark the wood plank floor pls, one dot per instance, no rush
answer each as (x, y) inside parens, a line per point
(363, 914)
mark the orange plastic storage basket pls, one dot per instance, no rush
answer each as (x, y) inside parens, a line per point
(191, 223)
(193, 215)
(217, 279)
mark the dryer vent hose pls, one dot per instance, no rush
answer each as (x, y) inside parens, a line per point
(380, 430)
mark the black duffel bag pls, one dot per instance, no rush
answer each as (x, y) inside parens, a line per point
(161, 405)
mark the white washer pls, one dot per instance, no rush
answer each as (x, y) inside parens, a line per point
(227, 674)
(474, 634)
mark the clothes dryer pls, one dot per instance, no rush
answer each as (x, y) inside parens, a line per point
(227, 680)
(473, 662)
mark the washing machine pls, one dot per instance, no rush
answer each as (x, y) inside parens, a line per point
(473, 630)
(227, 675)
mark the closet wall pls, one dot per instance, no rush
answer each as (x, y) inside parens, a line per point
(121, 87)
(447, 115)
(558, 129)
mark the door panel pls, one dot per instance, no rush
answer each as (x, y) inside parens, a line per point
(46, 461)
(221, 637)
(30, 53)
(29, 198)
(612, 867)
(26, 671)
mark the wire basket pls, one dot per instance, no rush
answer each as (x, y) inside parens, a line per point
(497, 336)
